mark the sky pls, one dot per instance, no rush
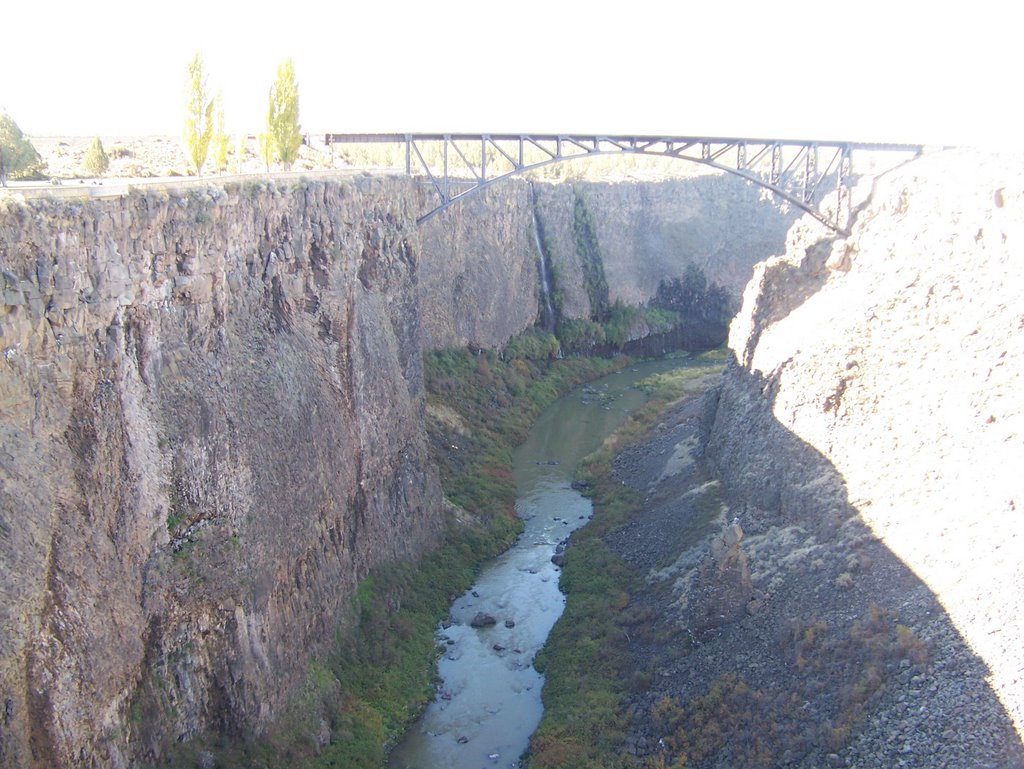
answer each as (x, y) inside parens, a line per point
(863, 70)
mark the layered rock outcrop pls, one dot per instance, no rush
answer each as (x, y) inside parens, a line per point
(212, 428)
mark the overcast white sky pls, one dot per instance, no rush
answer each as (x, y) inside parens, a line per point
(933, 72)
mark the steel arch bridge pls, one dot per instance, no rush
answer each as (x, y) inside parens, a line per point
(802, 172)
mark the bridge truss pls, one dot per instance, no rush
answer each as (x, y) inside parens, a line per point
(804, 173)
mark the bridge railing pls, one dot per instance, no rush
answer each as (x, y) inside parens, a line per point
(805, 173)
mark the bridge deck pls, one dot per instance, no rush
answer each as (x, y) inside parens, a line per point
(802, 171)
(392, 138)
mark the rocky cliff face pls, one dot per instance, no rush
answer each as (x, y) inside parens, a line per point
(480, 274)
(830, 543)
(650, 231)
(480, 283)
(877, 379)
(212, 428)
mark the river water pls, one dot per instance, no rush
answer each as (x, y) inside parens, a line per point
(488, 703)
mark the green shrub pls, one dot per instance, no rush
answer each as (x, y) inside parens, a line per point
(624, 319)
(96, 161)
(18, 158)
(580, 336)
(534, 344)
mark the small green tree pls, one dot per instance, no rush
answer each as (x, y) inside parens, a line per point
(18, 158)
(240, 145)
(198, 116)
(219, 143)
(96, 161)
(267, 149)
(283, 115)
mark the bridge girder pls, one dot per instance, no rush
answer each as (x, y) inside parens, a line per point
(802, 172)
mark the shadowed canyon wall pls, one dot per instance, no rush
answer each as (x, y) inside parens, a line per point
(822, 566)
(895, 356)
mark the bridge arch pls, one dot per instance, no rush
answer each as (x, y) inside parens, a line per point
(801, 172)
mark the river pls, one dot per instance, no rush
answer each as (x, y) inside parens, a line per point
(488, 703)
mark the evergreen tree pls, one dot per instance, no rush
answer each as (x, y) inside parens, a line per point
(198, 116)
(96, 161)
(704, 308)
(18, 158)
(283, 115)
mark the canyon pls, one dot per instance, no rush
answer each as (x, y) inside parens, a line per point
(214, 428)
(214, 422)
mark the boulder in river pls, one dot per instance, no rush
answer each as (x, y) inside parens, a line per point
(482, 619)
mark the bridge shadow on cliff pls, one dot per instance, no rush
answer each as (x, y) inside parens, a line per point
(803, 641)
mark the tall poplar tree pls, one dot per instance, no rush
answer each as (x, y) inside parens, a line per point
(198, 116)
(283, 115)
(220, 141)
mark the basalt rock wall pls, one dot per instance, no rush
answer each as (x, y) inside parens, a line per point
(480, 275)
(650, 231)
(479, 283)
(213, 426)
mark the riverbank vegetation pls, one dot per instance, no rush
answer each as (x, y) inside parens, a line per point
(362, 696)
(585, 659)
